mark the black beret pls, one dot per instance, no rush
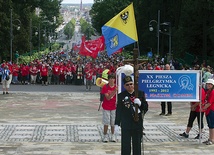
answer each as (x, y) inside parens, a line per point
(127, 79)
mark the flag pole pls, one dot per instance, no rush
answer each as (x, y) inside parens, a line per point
(135, 58)
(136, 73)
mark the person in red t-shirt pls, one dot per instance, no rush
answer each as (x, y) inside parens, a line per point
(69, 74)
(209, 110)
(99, 71)
(109, 107)
(56, 71)
(112, 68)
(24, 73)
(88, 77)
(157, 67)
(33, 73)
(4, 64)
(195, 112)
(62, 72)
(44, 74)
(15, 73)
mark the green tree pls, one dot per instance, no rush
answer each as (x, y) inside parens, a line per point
(4, 28)
(24, 10)
(103, 10)
(86, 29)
(69, 29)
(195, 28)
(191, 24)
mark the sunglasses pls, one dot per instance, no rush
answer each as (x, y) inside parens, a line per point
(129, 84)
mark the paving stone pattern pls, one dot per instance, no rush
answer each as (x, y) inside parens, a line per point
(82, 133)
(69, 124)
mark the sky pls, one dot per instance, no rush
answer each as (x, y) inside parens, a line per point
(77, 1)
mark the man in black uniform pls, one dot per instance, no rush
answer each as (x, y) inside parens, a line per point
(131, 130)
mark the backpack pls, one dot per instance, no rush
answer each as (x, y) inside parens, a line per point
(7, 77)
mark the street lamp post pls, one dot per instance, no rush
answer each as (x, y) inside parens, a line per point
(30, 41)
(11, 33)
(43, 35)
(170, 37)
(158, 29)
(48, 34)
(39, 36)
(38, 32)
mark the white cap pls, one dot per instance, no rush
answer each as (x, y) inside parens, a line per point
(210, 81)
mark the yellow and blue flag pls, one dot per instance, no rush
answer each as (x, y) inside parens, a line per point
(120, 30)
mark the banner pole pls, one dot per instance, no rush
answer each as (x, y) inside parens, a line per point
(200, 97)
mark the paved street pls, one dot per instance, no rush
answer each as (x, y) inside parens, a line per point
(64, 120)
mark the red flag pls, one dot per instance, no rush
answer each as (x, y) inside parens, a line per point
(81, 51)
(101, 43)
(92, 47)
(82, 48)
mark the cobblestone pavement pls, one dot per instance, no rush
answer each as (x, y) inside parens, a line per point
(69, 123)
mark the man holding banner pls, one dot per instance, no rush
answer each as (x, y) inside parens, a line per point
(169, 104)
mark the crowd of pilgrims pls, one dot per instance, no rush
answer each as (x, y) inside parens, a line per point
(56, 69)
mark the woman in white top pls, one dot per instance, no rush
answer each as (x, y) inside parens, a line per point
(5, 79)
